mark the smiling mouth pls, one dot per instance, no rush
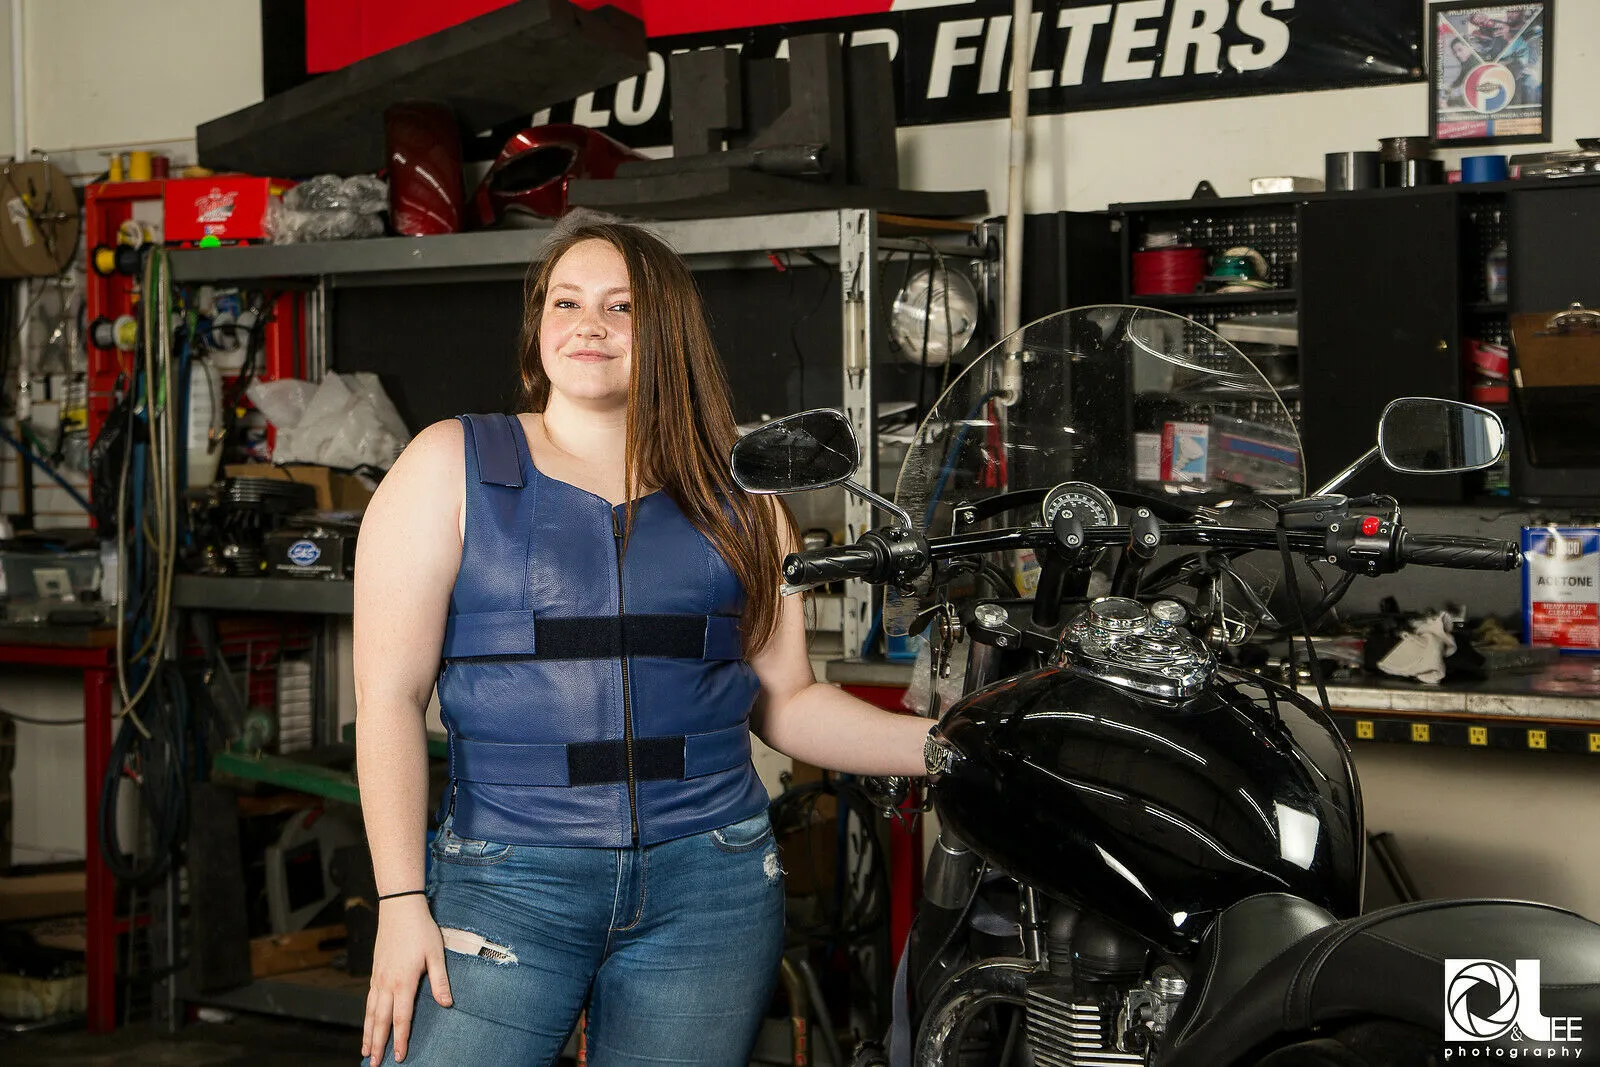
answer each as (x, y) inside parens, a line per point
(589, 355)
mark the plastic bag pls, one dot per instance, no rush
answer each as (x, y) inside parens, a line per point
(344, 421)
(328, 208)
(283, 402)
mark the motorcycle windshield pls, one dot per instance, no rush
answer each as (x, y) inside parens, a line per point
(1126, 399)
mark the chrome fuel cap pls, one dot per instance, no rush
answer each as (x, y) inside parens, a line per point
(1169, 611)
(1116, 614)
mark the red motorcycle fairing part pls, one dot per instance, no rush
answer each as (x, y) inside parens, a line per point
(532, 170)
(426, 188)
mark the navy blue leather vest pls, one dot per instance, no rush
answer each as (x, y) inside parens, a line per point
(592, 697)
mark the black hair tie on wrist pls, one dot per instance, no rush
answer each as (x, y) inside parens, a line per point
(408, 893)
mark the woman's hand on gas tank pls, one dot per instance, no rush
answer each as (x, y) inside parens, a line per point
(408, 946)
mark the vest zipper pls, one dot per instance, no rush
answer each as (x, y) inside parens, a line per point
(627, 706)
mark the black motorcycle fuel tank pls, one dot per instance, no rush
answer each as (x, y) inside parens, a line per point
(1155, 814)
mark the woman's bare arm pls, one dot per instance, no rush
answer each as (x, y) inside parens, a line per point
(406, 562)
(821, 724)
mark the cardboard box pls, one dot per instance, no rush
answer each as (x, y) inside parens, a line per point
(1184, 448)
(35, 896)
(229, 207)
(1561, 587)
(335, 491)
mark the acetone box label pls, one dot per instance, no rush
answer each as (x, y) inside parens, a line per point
(1561, 586)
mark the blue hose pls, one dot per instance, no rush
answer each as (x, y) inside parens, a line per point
(49, 471)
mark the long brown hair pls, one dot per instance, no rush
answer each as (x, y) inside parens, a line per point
(680, 419)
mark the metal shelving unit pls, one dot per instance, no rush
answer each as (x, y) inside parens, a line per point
(850, 237)
(303, 595)
(709, 243)
(853, 238)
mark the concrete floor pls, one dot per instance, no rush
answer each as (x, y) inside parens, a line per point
(254, 1040)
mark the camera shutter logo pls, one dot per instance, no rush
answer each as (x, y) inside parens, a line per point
(1485, 1001)
(1461, 994)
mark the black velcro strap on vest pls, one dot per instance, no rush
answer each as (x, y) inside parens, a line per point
(612, 637)
(599, 762)
(521, 635)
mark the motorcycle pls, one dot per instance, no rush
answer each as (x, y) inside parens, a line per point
(1147, 853)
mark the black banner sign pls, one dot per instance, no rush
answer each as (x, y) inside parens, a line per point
(952, 60)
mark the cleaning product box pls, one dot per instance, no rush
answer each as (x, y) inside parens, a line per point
(1561, 587)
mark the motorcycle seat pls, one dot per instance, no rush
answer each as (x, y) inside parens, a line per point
(1274, 968)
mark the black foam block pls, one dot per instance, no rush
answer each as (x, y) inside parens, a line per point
(491, 69)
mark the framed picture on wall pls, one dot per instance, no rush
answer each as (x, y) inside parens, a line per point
(1489, 78)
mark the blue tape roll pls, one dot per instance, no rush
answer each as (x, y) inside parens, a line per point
(1484, 169)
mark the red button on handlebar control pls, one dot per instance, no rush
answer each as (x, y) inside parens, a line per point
(1369, 525)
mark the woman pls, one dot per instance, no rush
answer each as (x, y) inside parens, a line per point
(605, 605)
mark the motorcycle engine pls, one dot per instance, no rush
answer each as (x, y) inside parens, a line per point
(1095, 1005)
(1068, 1030)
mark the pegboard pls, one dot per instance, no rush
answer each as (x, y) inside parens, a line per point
(1272, 230)
(1283, 374)
(1483, 225)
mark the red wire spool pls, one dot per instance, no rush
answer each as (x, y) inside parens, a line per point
(1168, 270)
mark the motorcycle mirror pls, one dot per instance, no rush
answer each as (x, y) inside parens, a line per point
(1421, 435)
(797, 453)
(1426, 435)
(805, 451)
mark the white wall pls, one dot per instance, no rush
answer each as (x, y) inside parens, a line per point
(103, 74)
(1086, 161)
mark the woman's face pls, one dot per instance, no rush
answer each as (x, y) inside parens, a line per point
(586, 333)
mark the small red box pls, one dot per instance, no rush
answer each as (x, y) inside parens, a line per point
(230, 207)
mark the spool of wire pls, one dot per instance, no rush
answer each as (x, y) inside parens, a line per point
(102, 333)
(125, 333)
(1168, 271)
(118, 259)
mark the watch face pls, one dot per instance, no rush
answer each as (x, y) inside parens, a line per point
(1089, 505)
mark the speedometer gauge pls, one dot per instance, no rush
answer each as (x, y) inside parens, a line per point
(1088, 504)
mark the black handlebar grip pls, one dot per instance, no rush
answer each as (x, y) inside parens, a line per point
(822, 565)
(1463, 553)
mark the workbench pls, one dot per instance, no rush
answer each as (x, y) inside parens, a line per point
(1550, 707)
(91, 651)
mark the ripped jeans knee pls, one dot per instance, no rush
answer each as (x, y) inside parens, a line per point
(471, 943)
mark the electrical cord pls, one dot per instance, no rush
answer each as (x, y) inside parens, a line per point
(1305, 628)
(158, 528)
(795, 324)
(156, 757)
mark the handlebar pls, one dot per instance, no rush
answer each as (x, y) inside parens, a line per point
(1462, 553)
(819, 566)
(897, 556)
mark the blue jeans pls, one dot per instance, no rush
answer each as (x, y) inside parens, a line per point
(675, 948)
